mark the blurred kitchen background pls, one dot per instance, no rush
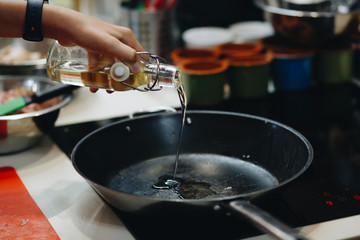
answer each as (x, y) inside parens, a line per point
(162, 26)
(295, 44)
(184, 14)
(189, 13)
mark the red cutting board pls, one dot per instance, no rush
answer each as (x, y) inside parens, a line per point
(20, 217)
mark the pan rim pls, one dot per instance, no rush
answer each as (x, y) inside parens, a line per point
(195, 201)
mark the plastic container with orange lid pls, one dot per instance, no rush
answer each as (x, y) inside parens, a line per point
(334, 64)
(204, 81)
(249, 76)
(292, 68)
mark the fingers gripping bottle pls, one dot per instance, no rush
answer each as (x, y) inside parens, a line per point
(76, 66)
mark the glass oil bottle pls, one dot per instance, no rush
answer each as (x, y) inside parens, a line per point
(76, 66)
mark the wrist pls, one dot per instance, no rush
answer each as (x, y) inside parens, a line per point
(33, 20)
(57, 22)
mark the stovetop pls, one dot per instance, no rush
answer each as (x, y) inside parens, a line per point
(328, 116)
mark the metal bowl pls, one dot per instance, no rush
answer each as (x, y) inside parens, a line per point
(312, 21)
(22, 131)
(32, 67)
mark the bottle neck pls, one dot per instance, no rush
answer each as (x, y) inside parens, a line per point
(163, 75)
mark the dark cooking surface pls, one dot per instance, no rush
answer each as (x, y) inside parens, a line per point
(329, 116)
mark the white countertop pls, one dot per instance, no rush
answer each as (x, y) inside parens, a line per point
(73, 208)
(88, 106)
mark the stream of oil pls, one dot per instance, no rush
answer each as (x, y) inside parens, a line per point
(184, 188)
(167, 182)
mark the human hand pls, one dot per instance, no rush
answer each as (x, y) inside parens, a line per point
(99, 38)
(70, 28)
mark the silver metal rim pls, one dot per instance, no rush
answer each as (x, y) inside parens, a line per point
(64, 101)
(295, 13)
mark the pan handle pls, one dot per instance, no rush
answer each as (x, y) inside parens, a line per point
(264, 221)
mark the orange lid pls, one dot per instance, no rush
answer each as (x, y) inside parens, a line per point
(204, 67)
(183, 54)
(252, 60)
(244, 49)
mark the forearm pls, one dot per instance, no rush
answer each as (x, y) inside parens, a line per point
(12, 18)
(70, 27)
(59, 23)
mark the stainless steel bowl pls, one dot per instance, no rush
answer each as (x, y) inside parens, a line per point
(313, 22)
(33, 67)
(22, 131)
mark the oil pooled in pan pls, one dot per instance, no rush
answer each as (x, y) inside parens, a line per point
(199, 176)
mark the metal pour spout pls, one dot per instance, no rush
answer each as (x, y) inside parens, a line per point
(157, 73)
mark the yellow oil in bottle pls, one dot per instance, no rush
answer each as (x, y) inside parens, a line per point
(97, 79)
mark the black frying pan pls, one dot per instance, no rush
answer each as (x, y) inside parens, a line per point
(226, 160)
